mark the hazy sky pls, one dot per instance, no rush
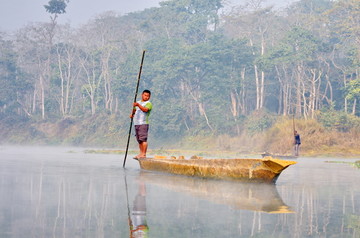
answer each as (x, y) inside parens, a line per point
(15, 14)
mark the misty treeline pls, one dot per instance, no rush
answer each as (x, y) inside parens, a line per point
(208, 67)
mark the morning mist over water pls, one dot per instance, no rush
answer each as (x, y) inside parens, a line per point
(64, 192)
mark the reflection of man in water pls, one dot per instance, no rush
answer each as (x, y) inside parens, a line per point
(138, 224)
(297, 143)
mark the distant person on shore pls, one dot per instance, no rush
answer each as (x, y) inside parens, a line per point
(297, 143)
(140, 114)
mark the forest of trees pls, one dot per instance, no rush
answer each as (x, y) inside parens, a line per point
(208, 69)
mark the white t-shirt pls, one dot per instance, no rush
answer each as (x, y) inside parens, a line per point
(140, 117)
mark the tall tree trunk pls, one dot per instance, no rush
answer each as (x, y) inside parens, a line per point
(282, 97)
(345, 99)
(91, 83)
(262, 82)
(243, 93)
(328, 85)
(284, 90)
(105, 74)
(66, 74)
(234, 105)
(203, 112)
(314, 93)
(33, 107)
(354, 107)
(42, 94)
(262, 89)
(195, 93)
(257, 81)
(116, 105)
(62, 107)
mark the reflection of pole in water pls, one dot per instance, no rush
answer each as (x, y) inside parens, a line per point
(61, 189)
(258, 215)
(88, 211)
(137, 219)
(40, 191)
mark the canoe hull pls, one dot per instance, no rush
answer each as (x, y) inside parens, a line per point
(252, 170)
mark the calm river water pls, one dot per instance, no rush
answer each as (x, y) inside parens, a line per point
(64, 192)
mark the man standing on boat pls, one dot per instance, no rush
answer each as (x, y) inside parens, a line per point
(140, 114)
(297, 143)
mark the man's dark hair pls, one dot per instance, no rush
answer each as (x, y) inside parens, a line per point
(147, 91)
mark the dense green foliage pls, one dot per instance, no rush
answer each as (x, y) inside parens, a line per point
(209, 73)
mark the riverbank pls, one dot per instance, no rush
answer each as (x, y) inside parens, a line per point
(109, 132)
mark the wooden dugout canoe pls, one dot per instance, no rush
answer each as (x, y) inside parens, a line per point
(252, 170)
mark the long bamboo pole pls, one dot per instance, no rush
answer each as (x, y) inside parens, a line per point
(136, 92)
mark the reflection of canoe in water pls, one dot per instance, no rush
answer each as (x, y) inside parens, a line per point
(266, 154)
(252, 170)
(245, 196)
